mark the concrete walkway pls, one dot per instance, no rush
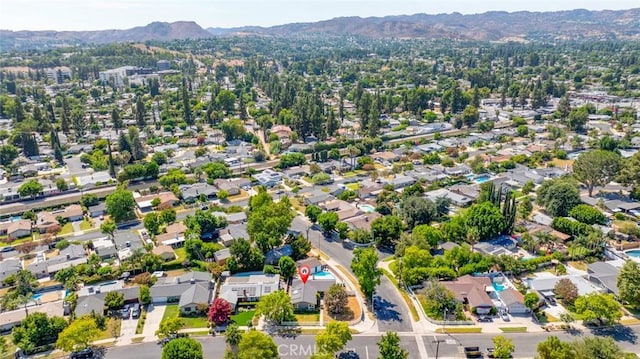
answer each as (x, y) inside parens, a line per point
(152, 323)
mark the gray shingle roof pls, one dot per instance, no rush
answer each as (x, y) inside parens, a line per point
(196, 294)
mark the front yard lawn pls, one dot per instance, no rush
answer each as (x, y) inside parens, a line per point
(243, 318)
(307, 317)
(514, 329)
(86, 224)
(111, 330)
(460, 330)
(66, 229)
(172, 311)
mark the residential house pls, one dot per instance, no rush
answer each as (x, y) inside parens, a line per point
(268, 178)
(385, 157)
(105, 248)
(454, 198)
(235, 218)
(273, 256)
(306, 296)
(546, 286)
(71, 256)
(296, 172)
(472, 291)
(362, 221)
(10, 319)
(47, 222)
(248, 287)
(605, 275)
(313, 263)
(9, 267)
(174, 236)
(193, 192)
(342, 208)
(71, 213)
(232, 186)
(513, 301)
(167, 200)
(222, 255)
(194, 297)
(402, 181)
(16, 229)
(98, 210)
(317, 197)
(165, 252)
(91, 297)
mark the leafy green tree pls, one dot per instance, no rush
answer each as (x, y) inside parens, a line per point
(68, 277)
(30, 189)
(596, 168)
(333, 338)
(336, 299)
(598, 347)
(276, 307)
(108, 227)
(578, 119)
(114, 300)
(233, 129)
(182, 348)
(8, 153)
(554, 348)
(145, 295)
(268, 221)
(169, 326)
(287, 267)
(486, 219)
(120, 205)
(502, 347)
(312, 212)
(244, 257)
(390, 347)
(531, 300)
(470, 115)
(226, 101)
(364, 266)
(558, 196)
(4, 348)
(417, 210)
(386, 230)
(152, 222)
(598, 306)
(255, 344)
(629, 283)
(300, 247)
(78, 335)
(328, 221)
(223, 195)
(37, 330)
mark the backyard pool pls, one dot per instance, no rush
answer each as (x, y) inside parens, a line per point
(367, 208)
(499, 287)
(36, 296)
(481, 179)
(323, 275)
(633, 253)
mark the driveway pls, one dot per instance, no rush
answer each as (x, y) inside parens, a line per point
(127, 331)
(152, 323)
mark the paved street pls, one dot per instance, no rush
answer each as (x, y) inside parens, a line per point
(365, 345)
(391, 312)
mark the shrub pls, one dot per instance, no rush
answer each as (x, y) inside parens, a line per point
(587, 214)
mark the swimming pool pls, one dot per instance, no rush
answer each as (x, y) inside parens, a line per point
(633, 253)
(36, 296)
(323, 275)
(367, 208)
(481, 179)
(499, 287)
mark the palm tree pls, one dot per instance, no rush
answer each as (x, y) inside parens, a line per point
(353, 152)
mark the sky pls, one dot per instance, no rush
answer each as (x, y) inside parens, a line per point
(124, 14)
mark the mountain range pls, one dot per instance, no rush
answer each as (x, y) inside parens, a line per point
(489, 26)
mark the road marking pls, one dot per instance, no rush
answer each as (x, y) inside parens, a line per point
(366, 351)
(421, 347)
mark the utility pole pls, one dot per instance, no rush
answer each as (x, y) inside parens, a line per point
(438, 341)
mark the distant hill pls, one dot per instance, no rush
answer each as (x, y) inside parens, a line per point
(153, 31)
(490, 26)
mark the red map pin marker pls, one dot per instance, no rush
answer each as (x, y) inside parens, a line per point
(304, 272)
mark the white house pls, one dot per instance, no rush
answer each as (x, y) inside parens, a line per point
(248, 287)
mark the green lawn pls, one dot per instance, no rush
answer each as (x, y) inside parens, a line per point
(353, 186)
(66, 229)
(86, 224)
(243, 318)
(113, 327)
(172, 311)
(307, 317)
(514, 330)
(460, 330)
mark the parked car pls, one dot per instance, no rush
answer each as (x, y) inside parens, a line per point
(349, 354)
(505, 316)
(490, 352)
(135, 311)
(125, 312)
(484, 319)
(7, 249)
(82, 354)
